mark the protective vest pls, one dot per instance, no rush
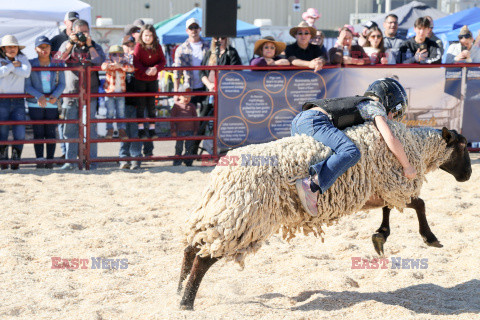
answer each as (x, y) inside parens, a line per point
(343, 112)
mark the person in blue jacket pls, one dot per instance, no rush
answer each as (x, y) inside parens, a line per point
(46, 88)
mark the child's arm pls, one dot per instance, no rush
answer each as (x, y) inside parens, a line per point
(173, 125)
(127, 67)
(395, 146)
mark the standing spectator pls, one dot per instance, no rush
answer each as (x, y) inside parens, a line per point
(149, 60)
(433, 37)
(311, 16)
(420, 49)
(221, 53)
(374, 46)
(14, 69)
(188, 54)
(116, 68)
(391, 39)
(80, 50)
(184, 108)
(269, 52)
(318, 41)
(70, 18)
(461, 52)
(46, 87)
(362, 38)
(475, 52)
(345, 52)
(302, 53)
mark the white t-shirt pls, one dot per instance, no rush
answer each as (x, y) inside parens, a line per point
(197, 56)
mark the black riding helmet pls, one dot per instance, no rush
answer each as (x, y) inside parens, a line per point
(391, 94)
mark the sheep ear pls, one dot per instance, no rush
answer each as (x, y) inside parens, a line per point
(448, 136)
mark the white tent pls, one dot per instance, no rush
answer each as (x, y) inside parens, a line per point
(28, 19)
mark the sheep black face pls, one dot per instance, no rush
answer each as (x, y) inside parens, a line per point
(458, 164)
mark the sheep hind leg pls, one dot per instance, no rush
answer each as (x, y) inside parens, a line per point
(188, 257)
(200, 267)
(380, 237)
(427, 234)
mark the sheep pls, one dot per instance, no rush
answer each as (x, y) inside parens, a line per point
(244, 205)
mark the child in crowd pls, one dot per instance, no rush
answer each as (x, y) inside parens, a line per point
(149, 60)
(184, 108)
(14, 69)
(116, 68)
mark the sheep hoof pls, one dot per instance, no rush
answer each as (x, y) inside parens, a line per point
(186, 307)
(435, 244)
(378, 240)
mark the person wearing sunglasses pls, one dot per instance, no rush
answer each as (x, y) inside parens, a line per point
(302, 53)
(374, 46)
(420, 49)
(324, 120)
(116, 68)
(461, 52)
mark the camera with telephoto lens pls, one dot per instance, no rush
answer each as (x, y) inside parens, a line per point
(81, 37)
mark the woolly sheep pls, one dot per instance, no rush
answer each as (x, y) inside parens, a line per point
(242, 206)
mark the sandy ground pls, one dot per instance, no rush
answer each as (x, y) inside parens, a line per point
(138, 215)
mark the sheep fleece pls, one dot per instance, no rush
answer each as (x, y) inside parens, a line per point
(243, 205)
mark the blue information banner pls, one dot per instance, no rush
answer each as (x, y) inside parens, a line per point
(259, 106)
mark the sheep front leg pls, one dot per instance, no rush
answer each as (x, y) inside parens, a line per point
(200, 267)
(424, 229)
(382, 233)
(187, 263)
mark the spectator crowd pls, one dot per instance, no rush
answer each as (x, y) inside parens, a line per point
(135, 65)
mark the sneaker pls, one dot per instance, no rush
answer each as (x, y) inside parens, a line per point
(48, 165)
(124, 165)
(67, 166)
(142, 134)
(109, 134)
(40, 166)
(152, 134)
(307, 197)
(122, 134)
(135, 165)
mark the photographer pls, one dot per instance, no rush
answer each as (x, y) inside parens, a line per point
(420, 49)
(79, 50)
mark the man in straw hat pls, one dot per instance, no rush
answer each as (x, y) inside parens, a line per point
(461, 52)
(302, 53)
(269, 52)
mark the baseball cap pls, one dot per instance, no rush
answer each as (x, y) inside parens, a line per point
(72, 16)
(370, 24)
(139, 23)
(192, 21)
(129, 29)
(42, 40)
(115, 49)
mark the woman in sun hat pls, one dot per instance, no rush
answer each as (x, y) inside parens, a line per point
(311, 16)
(269, 52)
(14, 68)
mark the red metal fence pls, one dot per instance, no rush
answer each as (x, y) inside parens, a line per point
(84, 95)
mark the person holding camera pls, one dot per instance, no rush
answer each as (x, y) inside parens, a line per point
(461, 52)
(420, 49)
(79, 50)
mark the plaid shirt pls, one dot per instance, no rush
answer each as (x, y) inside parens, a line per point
(111, 76)
(183, 58)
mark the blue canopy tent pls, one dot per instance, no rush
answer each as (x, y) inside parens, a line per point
(453, 21)
(174, 31)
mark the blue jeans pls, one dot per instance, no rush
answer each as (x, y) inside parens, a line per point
(130, 149)
(115, 109)
(14, 110)
(71, 129)
(346, 154)
(188, 148)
